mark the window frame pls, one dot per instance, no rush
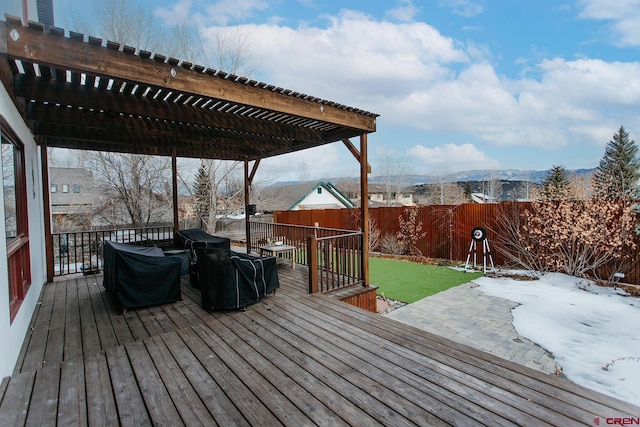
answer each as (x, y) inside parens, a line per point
(18, 253)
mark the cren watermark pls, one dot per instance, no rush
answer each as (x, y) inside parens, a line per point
(617, 421)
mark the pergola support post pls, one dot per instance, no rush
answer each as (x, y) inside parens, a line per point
(364, 208)
(46, 202)
(174, 183)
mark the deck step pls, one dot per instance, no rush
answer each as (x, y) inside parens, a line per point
(357, 295)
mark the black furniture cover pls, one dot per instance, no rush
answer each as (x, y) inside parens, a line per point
(137, 276)
(195, 238)
(232, 280)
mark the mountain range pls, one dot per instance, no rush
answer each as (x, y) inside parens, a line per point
(484, 175)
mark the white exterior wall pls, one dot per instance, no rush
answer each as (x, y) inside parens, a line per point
(313, 198)
(13, 333)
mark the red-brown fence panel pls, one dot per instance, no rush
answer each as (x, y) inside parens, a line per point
(448, 228)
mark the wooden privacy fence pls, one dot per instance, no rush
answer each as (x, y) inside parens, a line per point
(448, 227)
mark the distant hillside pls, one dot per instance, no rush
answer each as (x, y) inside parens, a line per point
(511, 190)
(506, 176)
(483, 175)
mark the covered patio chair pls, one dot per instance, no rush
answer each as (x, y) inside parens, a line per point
(137, 276)
(227, 279)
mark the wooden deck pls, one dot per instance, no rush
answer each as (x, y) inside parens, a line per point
(291, 359)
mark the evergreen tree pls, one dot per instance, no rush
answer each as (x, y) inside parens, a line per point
(618, 172)
(201, 192)
(556, 184)
(467, 191)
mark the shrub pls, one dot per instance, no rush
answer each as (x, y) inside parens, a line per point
(389, 244)
(410, 231)
(576, 237)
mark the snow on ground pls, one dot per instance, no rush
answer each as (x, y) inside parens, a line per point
(592, 331)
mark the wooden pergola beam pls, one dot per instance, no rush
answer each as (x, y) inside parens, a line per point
(107, 102)
(53, 50)
(354, 151)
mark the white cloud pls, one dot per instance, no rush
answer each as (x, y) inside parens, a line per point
(417, 78)
(224, 11)
(221, 12)
(178, 13)
(466, 8)
(453, 157)
(624, 16)
(404, 12)
(316, 163)
(340, 64)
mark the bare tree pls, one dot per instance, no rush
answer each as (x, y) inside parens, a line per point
(135, 182)
(224, 49)
(494, 188)
(445, 193)
(394, 172)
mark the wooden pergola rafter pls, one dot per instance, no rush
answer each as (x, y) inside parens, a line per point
(84, 93)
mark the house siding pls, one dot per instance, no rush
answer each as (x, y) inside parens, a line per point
(313, 200)
(13, 333)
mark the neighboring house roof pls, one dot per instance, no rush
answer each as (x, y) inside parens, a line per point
(483, 198)
(311, 195)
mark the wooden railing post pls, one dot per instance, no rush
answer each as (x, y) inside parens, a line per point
(312, 259)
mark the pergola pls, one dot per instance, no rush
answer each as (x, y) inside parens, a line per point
(84, 93)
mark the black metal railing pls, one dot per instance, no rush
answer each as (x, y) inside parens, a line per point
(81, 251)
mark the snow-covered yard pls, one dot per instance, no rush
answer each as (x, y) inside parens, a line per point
(593, 332)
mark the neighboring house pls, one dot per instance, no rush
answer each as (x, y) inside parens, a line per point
(294, 197)
(379, 196)
(73, 197)
(483, 198)
(80, 203)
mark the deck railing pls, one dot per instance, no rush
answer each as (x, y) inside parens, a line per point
(81, 251)
(334, 256)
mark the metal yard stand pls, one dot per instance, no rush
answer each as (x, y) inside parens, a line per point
(479, 234)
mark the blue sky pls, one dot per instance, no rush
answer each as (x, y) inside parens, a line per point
(458, 84)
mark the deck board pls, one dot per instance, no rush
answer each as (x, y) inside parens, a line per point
(90, 340)
(291, 359)
(191, 408)
(129, 402)
(101, 404)
(43, 407)
(156, 397)
(566, 394)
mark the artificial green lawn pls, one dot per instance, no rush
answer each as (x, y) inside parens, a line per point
(408, 281)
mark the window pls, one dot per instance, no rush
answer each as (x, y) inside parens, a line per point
(54, 188)
(76, 188)
(319, 190)
(15, 216)
(65, 188)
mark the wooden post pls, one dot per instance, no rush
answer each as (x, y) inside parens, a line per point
(364, 208)
(48, 234)
(247, 198)
(312, 259)
(174, 183)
